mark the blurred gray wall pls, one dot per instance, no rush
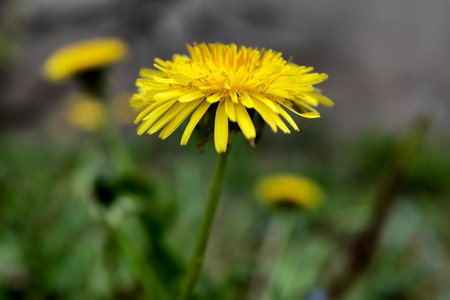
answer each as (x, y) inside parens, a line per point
(388, 60)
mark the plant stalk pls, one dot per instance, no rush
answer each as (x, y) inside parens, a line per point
(205, 229)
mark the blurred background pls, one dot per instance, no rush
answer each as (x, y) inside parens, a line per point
(387, 137)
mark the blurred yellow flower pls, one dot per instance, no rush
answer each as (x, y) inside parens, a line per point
(289, 190)
(238, 85)
(84, 56)
(85, 113)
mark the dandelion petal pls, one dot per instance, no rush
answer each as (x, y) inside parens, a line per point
(221, 129)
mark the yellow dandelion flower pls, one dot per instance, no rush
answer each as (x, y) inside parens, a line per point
(236, 84)
(289, 190)
(83, 57)
(85, 113)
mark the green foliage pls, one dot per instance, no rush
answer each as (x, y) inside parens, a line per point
(71, 229)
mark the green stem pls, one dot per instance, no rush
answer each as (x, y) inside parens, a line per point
(304, 232)
(95, 84)
(203, 235)
(119, 156)
(284, 227)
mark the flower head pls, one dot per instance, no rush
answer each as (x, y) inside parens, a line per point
(85, 113)
(289, 190)
(83, 57)
(238, 85)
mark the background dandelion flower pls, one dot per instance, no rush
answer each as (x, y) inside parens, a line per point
(234, 83)
(84, 56)
(288, 190)
(85, 113)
